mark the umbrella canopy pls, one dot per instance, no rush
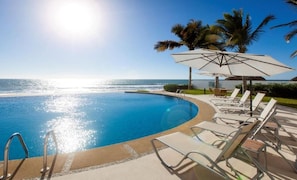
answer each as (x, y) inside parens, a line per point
(231, 63)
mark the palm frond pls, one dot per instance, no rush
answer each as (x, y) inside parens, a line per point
(290, 24)
(163, 45)
(177, 30)
(290, 35)
(294, 54)
(259, 29)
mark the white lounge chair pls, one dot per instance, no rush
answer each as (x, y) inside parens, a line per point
(212, 133)
(227, 130)
(202, 153)
(224, 99)
(221, 130)
(234, 119)
(242, 109)
(241, 101)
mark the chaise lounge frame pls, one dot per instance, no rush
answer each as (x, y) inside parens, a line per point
(202, 153)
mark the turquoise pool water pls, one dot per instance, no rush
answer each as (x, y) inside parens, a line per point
(85, 121)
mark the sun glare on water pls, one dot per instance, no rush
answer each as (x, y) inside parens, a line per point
(73, 19)
(70, 126)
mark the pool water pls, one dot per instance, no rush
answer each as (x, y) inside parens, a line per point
(85, 121)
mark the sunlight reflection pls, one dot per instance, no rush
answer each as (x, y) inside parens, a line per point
(64, 104)
(71, 127)
(71, 134)
(75, 85)
(68, 82)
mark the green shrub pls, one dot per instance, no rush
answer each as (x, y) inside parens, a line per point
(284, 90)
(276, 89)
(174, 87)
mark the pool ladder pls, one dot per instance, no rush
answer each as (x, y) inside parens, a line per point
(6, 175)
(45, 168)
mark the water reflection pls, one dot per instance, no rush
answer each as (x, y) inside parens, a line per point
(70, 125)
(67, 104)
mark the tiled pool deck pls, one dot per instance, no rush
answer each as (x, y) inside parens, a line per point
(136, 160)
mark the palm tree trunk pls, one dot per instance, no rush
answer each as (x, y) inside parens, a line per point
(190, 78)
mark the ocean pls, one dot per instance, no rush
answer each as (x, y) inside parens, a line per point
(18, 87)
(24, 87)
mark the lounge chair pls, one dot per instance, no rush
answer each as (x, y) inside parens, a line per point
(243, 109)
(202, 153)
(222, 130)
(179, 92)
(241, 101)
(227, 130)
(231, 98)
(210, 132)
(234, 119)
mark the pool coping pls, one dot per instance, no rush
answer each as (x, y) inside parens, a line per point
(103, 156)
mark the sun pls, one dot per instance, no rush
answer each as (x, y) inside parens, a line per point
(73, 19)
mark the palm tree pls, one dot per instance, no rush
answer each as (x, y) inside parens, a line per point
(193, 35)
(236, 31)
(292, 33)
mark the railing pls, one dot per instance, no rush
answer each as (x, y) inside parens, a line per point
(45, 168)
(6, 154)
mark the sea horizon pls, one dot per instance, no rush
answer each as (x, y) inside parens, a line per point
(25, 87)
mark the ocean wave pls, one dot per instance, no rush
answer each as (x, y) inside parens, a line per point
(20, 87)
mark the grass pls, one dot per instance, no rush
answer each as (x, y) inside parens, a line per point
(282, 101)
(287, 102)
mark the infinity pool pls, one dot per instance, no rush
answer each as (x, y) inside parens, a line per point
(85, 121)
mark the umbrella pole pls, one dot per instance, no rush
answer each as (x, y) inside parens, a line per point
(251, 101)
(217, 82)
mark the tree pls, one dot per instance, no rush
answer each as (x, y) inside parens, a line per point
(237, 32)
(293, 24)
(193, 35)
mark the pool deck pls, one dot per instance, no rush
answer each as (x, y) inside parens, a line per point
(136, 160)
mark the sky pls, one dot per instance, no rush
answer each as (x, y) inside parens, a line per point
(114, 39)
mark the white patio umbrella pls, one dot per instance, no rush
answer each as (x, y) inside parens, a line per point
(231, 63)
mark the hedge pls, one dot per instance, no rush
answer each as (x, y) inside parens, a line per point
(275, 89)
(174, 87)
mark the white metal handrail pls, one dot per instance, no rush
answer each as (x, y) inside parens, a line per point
(45, 168)
(6, 153)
